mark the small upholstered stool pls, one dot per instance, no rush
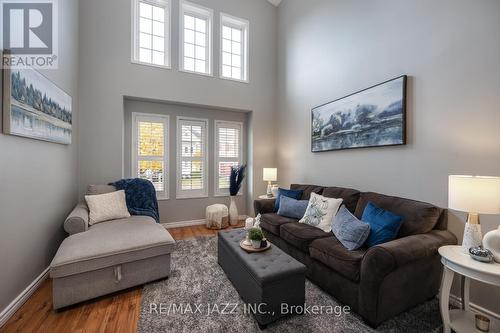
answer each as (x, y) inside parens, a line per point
(217, 217)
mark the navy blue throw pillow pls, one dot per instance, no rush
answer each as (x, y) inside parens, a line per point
(294, 194)
(350, 231)
(292, 208)
(384, 225)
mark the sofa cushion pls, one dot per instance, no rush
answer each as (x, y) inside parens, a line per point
(111, 243)
(308, 189)
(301, 235)
(334, 255)
(272, 222)
(349, 196)
(418, 217)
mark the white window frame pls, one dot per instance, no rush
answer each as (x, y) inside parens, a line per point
(244, 25)
(187, 7)
(167, 4)
(189, 194)
(156, 118)
(226, 124)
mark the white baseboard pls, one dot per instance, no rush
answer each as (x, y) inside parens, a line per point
(181, 224)
(457, 301)
(22, 297)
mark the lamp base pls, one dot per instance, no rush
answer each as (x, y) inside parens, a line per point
(472, 237)
(269, 189)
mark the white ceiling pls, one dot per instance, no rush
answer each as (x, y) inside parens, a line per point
(275, 2)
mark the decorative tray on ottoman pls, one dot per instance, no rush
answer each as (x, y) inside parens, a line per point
(249, 248)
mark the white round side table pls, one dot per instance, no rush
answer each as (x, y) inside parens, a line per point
(455, 261)
(264, 196)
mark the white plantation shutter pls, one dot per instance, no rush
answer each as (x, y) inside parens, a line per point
(150, 150)
(228, 143)
(192, 158)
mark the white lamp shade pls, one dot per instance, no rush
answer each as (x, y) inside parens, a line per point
(270, 174)
(474, 194)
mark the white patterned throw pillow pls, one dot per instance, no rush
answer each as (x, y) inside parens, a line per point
(320, 212)
(108, 206)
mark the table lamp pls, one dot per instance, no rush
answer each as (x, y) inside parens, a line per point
(270, 175)
(474, 195)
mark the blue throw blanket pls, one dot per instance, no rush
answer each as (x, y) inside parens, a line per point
(141, 197)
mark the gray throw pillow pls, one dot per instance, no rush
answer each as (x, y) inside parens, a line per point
(350, 231)
(292, 208)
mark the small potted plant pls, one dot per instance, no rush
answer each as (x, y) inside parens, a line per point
(256, 236)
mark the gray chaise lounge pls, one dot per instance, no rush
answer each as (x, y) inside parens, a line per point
(109, 256)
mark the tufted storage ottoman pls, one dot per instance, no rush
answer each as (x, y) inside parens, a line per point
(270, 278)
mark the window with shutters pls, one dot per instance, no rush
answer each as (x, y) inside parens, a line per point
(234, 48)
(151, 33)
(192, 158)
(150, 150)
(195, 38)
(228, 153)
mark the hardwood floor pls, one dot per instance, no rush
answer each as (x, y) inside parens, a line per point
(118, 312)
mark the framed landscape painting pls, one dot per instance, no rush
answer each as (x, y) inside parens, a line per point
(372, 117)
(34, 107)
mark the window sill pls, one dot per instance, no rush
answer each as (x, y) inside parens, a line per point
(195, 73)
(219, 195)
(135, 62)
(162, 198)
(234, 80)
(201, 196)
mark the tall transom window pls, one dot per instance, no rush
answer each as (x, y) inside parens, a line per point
(151, 35)
(196, 39)
(234, 48)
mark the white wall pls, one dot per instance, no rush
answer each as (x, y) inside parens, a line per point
(106, 75)
(38, 182)
(449, 49)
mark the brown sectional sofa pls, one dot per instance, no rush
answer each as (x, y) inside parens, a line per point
(378, 282)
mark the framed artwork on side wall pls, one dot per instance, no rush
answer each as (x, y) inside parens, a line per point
(34, 107)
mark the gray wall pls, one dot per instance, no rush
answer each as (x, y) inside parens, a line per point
(328, 49)
(106, 75)
(174, 210)
(38, 182)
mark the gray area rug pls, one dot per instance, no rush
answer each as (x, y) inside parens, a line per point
(198, 286)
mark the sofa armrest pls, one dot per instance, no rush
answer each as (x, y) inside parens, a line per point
(384, 258)
(415, 253)
(264, 206)
(78, 220)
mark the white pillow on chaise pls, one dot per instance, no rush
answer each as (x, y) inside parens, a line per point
(108, 206)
